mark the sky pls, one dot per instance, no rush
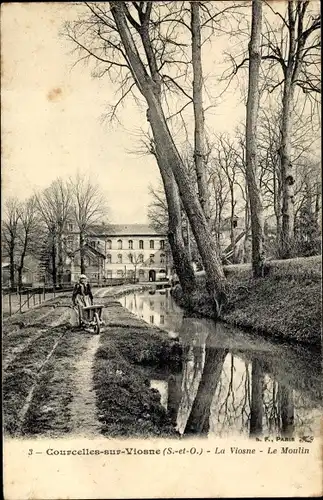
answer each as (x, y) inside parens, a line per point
(52, 116)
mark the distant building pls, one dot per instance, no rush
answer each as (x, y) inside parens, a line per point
(134, 251)
(27, 275)
(117, 251)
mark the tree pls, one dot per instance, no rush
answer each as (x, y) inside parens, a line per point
(157, 209)
(227, 160)
(251, 140)
(10, 226)
(88, 208)
(28, 233)
(199, 132)
(181, 257)
(130, 37)
(298, 54)
(54, 205)
(135, 260)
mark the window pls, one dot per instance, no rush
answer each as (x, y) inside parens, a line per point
(119, 273)
(151, 244)
(141, 273)
(109, 244)
(109, 259)
(70, 226)
(119, 244)
(109, 274)
(162, 320)
(130, 258)
(119, 258)
(151, 259)
(141, 244)
(130, 244)
(151, 304)
(140, 258)
(151, 319)
(162, 244)
(162, 258)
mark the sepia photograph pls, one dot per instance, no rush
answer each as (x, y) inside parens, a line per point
(161, 232)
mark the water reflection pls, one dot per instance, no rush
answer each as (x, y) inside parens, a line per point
(232, 382)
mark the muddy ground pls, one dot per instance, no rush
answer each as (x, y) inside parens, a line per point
(62, 380)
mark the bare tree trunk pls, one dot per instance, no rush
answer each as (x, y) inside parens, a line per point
(232, 231)
(82, 252)
(288, 180)
(317, 207)
(22, 261)
(12, 267)
(60, 264)
(277, 205)
(256, 210)
(54, 265)
(180, 255)
(199, 130)
(247, 229)
(148, 86)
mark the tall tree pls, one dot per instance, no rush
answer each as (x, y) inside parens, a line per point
(10, 226)
(55, 208)
(199, 127)
(180, 255)
(251, 139)
(297, 50)
(27, 234)
(128, 35)
(88, 208)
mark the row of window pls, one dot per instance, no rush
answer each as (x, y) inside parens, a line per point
(136, 259)
(120, 243)
(130, 273)
(140, 244)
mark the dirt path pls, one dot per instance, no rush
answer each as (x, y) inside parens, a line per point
(83, 406)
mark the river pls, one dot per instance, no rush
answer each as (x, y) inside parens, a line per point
(232, 382)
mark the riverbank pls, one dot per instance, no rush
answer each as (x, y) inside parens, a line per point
(285, 304)
(129, 349)
(61, 380)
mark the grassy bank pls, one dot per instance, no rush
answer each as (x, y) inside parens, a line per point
(127, 406)
(285, 304)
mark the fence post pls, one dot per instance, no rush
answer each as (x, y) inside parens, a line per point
(34, 298)
(54, 290)
(19, 301)
(39, 297)
(28, 299)
(10, 310)
(44, 292)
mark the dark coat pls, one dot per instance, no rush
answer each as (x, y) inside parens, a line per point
(80, 289)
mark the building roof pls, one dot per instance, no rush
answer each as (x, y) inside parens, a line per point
(126, 230)
(95, 250)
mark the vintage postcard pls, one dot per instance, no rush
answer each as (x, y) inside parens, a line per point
(161, 249)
